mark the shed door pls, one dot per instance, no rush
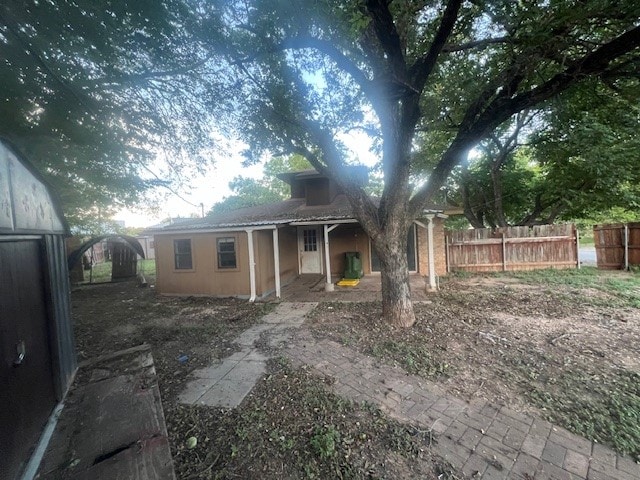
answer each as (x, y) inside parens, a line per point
(26, 386)
(309, 246)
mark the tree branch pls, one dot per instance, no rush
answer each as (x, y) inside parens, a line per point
(327, 48)
(385, 29)
(479, 120)
(479, 44)
(423, 67)
(593, 63)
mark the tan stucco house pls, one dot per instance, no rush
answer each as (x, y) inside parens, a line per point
(252, 252)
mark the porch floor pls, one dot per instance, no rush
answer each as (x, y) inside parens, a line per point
(311, 288)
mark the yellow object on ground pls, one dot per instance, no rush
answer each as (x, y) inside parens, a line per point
(348, 282)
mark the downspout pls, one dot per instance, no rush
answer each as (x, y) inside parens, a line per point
(276, 260)
(432, 261)
(252, 265)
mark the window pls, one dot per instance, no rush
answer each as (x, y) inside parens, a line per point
(227, 252)
(182, 254)
(310, 240)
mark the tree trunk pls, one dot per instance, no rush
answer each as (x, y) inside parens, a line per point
(397, 308)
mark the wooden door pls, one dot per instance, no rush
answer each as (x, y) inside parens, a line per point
(26, 383)
(309, 242)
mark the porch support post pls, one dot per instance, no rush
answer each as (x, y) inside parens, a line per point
(328, 287)
(252, 265)
(276, 260)
(431, 254)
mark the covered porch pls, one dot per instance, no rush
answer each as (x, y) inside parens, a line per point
(311, 288)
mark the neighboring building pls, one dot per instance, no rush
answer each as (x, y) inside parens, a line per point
(37, 350)
(251, 252)
(146, 236)
(148, 246)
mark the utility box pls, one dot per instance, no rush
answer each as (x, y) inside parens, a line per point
(353, 265)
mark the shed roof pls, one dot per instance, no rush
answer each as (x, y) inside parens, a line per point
(28, 204)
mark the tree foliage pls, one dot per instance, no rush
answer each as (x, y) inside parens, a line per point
(249, 192)
(577, 158)
(102, 97)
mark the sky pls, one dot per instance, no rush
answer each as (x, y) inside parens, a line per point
(206, 189)
(213, 186)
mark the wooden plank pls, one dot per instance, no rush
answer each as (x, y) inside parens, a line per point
(498, 241)
(113, 426)
(147, 459)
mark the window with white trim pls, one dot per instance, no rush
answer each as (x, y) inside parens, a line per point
(227, 252)
(182, 254)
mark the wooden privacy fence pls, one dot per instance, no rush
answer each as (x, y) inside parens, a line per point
(512, 248)
(617, 245)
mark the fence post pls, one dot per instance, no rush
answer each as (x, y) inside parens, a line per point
(504, 253)
(577, 247)
(626, 246)
(446, 252)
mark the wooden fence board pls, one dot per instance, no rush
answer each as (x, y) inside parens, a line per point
(616, 249)
(512, 248)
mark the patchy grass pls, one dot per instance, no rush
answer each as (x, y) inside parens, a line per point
(606, 410)
(102, 271)
(291, 426)
(623, 288)
(414, 358)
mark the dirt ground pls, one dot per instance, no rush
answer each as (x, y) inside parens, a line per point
(564, 350)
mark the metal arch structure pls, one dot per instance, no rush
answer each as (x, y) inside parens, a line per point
(127, 240)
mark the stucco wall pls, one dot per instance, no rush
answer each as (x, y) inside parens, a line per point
(439, 248)
(288, 241)
(348, 238)
(205, 278)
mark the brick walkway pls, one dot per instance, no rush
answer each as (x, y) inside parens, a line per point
(483, 440)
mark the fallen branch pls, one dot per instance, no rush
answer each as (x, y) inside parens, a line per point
(554, 340)
(491, 337)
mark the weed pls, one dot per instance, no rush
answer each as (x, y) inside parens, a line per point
(415, 359)
(325, 441)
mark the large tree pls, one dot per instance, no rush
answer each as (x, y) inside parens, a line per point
(575, 158)
(103, 97)
(453, 70)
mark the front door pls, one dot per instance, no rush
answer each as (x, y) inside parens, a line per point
(309, 241)
(26, 383)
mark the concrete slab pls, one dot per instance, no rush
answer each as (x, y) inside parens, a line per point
(228, 393)
(249, 337)
(290, 313)
(215, 372)
(227, 383)
(194, 390)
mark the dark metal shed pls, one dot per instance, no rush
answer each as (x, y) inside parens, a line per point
(37, 350)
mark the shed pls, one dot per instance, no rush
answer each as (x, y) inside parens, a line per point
(37, 350)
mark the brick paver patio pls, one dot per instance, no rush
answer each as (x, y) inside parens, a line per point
(483, 440)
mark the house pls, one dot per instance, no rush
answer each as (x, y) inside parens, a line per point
(37, 349)
(148, 246)
(251, 252)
